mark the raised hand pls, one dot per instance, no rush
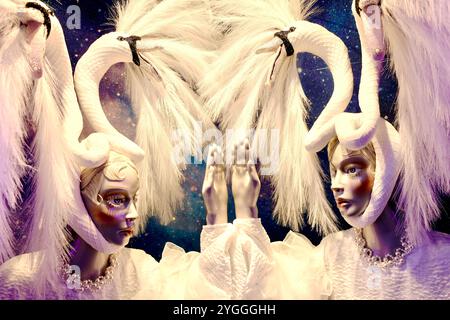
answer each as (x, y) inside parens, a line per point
(245, 182)
(214, 191)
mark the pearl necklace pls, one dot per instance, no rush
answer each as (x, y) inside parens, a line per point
(388, 260)
(74, 282)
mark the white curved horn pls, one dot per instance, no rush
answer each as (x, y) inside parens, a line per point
(313, 38)
(58, 57)
(368, 22)
(102, 54)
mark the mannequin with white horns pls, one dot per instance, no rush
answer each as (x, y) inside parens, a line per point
(375, 259)
(383, 187)
(378, 258)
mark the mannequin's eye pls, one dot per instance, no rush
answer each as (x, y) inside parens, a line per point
(117, 201)
(353, 171)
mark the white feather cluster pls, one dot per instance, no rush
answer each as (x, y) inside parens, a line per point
(40, 102)
(15, 84)
(418, 36)
(163, 91)
(55, 180)
(238, 95)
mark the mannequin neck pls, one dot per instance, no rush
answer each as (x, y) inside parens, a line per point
(383, 236)
(92, 263)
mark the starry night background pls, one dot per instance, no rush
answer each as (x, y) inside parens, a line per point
(335, 15)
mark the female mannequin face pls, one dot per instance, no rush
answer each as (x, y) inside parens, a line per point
(112, 206)
(352, 178)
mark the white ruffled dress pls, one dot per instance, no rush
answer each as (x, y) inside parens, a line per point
(225, 269)
(336, 270)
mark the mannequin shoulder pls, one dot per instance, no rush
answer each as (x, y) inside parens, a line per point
(19, 273)
(139, 257)
(440, 238)
(337, 238)
(24, 265)
(337, 246)
(438, 242)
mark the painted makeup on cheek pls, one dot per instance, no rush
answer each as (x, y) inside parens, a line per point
(103, 216)
(357, 169)
(363, 184)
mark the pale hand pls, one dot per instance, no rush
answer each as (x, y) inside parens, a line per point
(214, 191)
(245, 183)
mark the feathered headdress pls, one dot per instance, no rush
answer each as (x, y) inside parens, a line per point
(166, 47)
(417, 35)
(37, 73)
(255, 85)
(15, 83)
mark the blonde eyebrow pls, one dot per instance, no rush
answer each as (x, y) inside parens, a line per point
(352, 159)
(353, 153)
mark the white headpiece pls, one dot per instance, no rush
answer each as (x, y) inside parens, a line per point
(417, 35)
(37, 74)
(166, 49)
(255, 84)
(12, 107)
(386, 143)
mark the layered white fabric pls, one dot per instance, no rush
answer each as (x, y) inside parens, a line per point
(289, 269)
(425, 273)
(205, 275)
(336, 270)
(136, 277)
(233, 263)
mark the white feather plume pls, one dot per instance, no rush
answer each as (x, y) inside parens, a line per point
(418, 36)
(162, 91)
(54, 180)
(40, 102)
(15, 87)
(238, 96)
